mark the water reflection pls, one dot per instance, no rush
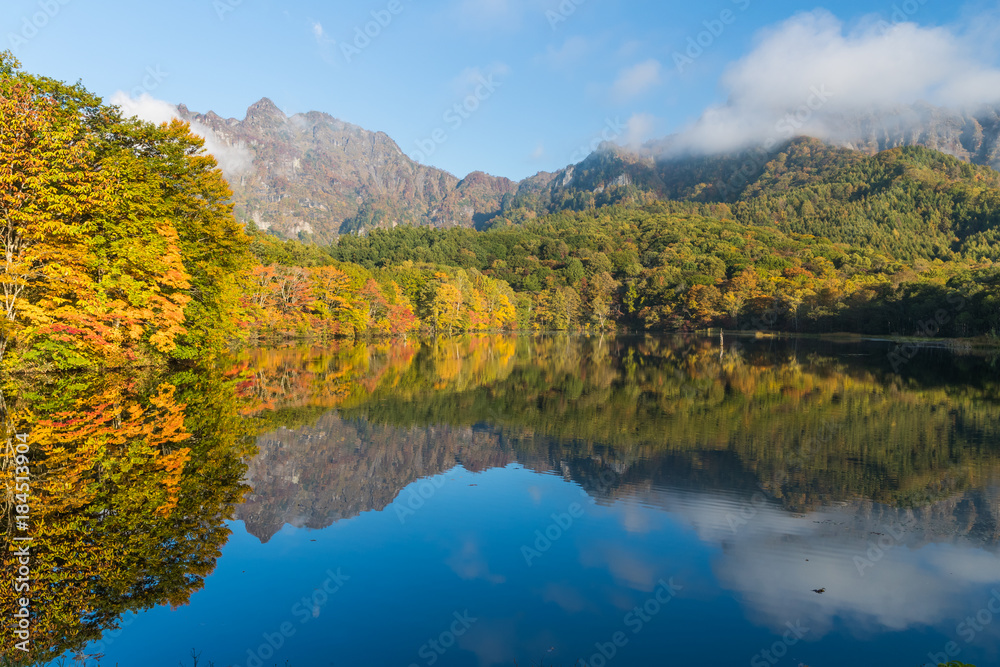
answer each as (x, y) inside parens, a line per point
(131, 479)
(781, 481)
(804, 427)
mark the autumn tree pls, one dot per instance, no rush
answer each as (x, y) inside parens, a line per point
(120, 247)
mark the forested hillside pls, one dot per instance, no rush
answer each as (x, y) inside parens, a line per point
(673, 266)
(911, 202)
(122, 249)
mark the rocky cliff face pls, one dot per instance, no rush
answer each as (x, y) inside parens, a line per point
(313, 174)
(970, 136)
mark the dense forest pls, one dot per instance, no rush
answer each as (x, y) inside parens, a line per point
(822, 240)
(673, 266)
(121, 249)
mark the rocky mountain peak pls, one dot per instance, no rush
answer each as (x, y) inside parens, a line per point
(265, 109)
(317, 175)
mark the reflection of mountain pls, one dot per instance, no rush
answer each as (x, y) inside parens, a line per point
(792, 461)
(812, 423)
(338, 469)
(881, 566)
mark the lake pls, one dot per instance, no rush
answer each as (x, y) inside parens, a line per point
(530, 500)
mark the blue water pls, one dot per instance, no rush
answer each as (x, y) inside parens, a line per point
(406, 579)
(590, 501)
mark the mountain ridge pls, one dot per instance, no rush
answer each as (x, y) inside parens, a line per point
(316, 177)
(315, 174)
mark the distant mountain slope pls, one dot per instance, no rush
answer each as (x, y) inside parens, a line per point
(974, 137)
(910, 202)
(907, 203)
(614, 175)
(315, 174)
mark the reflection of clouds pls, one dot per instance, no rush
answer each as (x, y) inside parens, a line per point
(567, 598)
(493, 641)
(469, 563)
(979, 567)
(627, 569)
(777, 583)
(536, 495)
(635, 520)
(775, 560)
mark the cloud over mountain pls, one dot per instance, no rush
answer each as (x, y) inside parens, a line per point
(234, 160)
(809, 72)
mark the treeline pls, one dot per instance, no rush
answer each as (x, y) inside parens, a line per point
(119, 246)
(349, 301)
(658, 268)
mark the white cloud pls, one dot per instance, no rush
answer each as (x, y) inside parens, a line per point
(571, 52)
(233, 160)
(472, 77)
(813, 66)
(327, 45)
(538, 153)
(494, 14)
(639, 128)
(145, 107)
(637, 80)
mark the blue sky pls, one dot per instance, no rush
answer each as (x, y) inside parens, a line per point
(563, 72)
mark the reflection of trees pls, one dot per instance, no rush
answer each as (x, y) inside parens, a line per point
(810, 426)
(132, 479)
(135, 476)
(294, 385)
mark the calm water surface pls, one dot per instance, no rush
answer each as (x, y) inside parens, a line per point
(538, 500)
